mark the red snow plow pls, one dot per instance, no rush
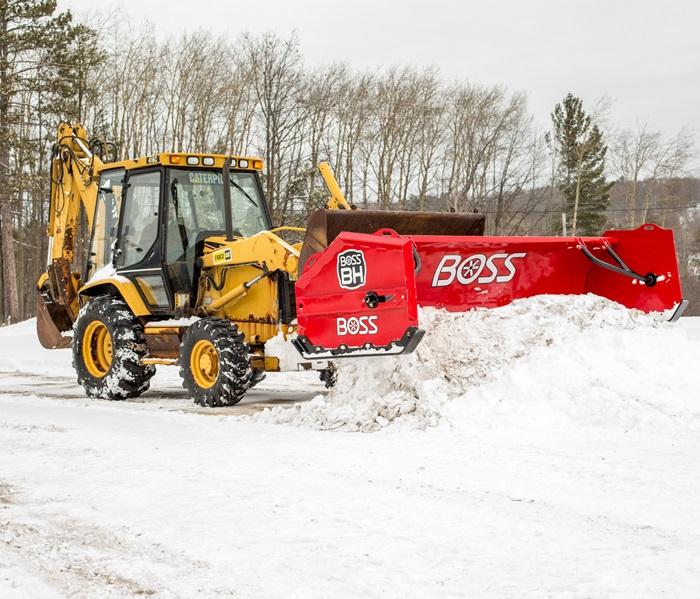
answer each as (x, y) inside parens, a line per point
(364, 274)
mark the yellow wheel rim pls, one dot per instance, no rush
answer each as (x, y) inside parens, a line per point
(97, 349)
(204, 364)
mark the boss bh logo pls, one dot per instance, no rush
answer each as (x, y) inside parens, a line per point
(356, 325)
(352, 270)
(497, 268)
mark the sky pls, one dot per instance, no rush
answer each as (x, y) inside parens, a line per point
(643, 56)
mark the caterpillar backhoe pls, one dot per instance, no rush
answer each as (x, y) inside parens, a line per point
(184, 267)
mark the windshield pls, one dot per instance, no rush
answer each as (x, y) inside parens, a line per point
(195, 211)
(197, 201)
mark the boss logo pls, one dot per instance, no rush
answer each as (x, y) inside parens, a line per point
(497, 268)
(356, 325)
(352, 270)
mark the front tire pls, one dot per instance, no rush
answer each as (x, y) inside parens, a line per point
(108, 347)
(215, 363)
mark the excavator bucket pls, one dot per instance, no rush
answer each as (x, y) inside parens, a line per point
(360, 294)
(49, 317)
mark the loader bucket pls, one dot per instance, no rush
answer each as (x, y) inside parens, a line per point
(49, 317)
(324, 226)
(636, 268)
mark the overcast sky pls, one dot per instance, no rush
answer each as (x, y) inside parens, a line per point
(644, 55)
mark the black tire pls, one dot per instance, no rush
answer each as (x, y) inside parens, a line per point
(258, 375)
(126, 376)
(229, 381)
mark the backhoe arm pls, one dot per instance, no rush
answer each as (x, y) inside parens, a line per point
(72, 184)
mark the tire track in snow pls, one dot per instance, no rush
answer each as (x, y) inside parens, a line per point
(83, 560)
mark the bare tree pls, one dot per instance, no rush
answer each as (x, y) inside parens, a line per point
(644, 159)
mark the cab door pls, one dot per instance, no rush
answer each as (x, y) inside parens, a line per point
(138, 253)
(105, 223)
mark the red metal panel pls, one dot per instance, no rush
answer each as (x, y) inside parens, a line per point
(460, 273)
(646, 249)
(331, 293)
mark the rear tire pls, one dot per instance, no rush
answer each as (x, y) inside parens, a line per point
(258, 376)
(215, 363)
(108, 346)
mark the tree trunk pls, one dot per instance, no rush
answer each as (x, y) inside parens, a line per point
(9, 269)
(574, 217)
(8, 253)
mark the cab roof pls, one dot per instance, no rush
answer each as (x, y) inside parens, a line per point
(188, 159)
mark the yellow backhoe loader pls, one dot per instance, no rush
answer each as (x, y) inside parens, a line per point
(181, 269)
(185, 267)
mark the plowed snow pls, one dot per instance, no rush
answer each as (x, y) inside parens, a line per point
(545, 358)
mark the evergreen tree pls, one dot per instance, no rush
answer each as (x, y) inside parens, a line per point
(581, 177)
(74, 65)
(30, 30)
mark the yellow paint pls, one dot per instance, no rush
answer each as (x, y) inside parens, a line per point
(97, 349)
(266, 363)
(286, 228)
(161, 361)
(128, 292)
(337, 200)
(204, 364)
(74, 176)
(230, 296)
(262, 248)
(180, 159)
(166, 330)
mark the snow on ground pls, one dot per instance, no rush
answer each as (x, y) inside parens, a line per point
(547, 359)
(564, 463)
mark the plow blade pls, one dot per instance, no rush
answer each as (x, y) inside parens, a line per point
(636, 268)
(358, 297)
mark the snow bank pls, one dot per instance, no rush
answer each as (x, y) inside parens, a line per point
(541, 360)
(20, 351)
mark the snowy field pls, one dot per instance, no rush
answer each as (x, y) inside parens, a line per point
(546, 449)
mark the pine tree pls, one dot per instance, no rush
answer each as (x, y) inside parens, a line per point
(28, 29)
(581, 175)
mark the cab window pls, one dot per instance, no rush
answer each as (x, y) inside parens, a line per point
(247, 204)
(106, 219)
(140, 219)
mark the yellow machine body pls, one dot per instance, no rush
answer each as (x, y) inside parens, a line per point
(239, 277)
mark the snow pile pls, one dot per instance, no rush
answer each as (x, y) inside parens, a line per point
(284, 351)
(540, 359)
(20, 352)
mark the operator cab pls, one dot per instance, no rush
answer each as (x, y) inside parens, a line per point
(152, 223)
